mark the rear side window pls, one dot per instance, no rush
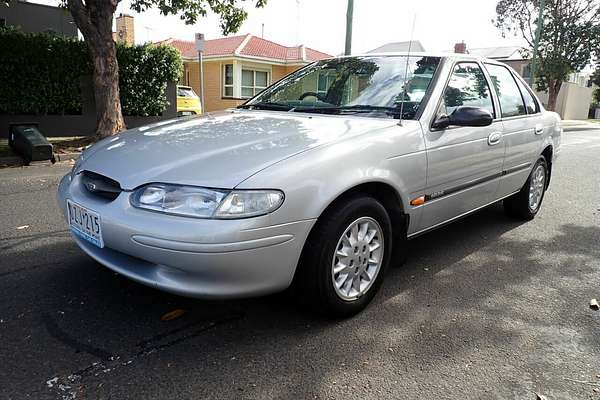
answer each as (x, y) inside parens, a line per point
(530, 103)
(511, 101)
(185, 92)
(467, 87)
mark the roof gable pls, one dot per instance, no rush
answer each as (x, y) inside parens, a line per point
(248, 46)
(499, 53)
(396, 47)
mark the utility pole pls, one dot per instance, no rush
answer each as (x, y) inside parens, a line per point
(536, 43)
(200, 48)
(349, 13)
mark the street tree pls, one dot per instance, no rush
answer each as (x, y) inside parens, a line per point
(94, 18)
(596, 81)
(569, 38)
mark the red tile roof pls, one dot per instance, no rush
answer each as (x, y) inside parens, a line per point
(247, 45)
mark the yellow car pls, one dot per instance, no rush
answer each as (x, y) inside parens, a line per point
(188, 102)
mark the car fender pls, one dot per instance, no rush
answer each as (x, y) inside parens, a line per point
(311, 181)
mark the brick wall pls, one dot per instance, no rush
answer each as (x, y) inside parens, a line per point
(213, 91)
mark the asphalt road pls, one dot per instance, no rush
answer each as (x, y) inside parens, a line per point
(486, 308)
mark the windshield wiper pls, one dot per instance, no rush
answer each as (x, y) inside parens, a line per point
(353, 108)
(267, 105)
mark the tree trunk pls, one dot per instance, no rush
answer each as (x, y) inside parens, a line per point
(109, 118)
(94, 20)
(553, 90)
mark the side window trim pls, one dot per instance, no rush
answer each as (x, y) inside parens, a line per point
(538, 108)
(449, 77)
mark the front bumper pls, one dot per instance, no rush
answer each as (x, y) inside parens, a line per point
(187, 256)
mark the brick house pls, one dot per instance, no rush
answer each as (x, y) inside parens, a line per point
(238, 67)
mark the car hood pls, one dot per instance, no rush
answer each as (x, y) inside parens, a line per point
(216, 150)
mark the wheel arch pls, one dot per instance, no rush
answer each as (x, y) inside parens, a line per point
(383, 192)
(548, 154)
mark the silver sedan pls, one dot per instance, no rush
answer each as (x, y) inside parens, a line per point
(316, 183)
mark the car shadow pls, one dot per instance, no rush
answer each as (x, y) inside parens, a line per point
(468, 271)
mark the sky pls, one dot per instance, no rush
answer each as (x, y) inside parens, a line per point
(320, 24)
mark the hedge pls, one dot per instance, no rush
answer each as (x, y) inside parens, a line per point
(144, 72)
(41, 74)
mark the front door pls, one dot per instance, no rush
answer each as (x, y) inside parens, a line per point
(464, 164)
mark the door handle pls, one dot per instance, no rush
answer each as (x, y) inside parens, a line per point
(539, 129)
(494, 138)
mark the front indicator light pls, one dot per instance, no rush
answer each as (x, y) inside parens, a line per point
(249, 203)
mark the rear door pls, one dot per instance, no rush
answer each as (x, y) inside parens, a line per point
(464, 164)
(522, 124)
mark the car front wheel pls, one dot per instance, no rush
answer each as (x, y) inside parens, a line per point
(346, 256)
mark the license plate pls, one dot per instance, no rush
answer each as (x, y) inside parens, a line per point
(186, 113)
(85, 223)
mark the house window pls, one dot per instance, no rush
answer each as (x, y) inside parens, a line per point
(324, 82)
(228, 80)
(187, 77)
(253, 82)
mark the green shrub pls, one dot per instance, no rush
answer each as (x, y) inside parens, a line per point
(41, 74)
(144, 72)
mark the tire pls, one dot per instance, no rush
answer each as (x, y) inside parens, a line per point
(519, 205)
(316, 274)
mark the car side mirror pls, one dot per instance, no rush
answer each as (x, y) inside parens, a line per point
(464, 116)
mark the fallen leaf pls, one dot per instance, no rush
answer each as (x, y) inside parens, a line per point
(594, 304)
(176, 313)
(22, 227)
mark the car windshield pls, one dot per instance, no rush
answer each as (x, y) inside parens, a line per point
(372, 85)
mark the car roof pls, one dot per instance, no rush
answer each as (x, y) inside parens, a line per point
(452, 56)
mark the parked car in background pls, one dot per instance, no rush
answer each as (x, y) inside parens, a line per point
(317, 182)
(188, 102)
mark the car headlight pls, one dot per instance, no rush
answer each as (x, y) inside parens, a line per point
(198, 202)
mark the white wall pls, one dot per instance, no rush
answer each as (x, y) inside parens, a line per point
(573, 101)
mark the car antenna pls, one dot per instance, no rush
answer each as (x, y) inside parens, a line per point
(406, 70)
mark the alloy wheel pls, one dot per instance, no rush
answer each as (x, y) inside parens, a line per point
(536, 187)
(358, 258)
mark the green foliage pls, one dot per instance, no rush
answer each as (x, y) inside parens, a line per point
(232, 15)
(39, 73)
(570, 36)
(596, 81)
(144, 72)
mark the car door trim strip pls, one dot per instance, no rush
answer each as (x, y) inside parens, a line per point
(459, 188)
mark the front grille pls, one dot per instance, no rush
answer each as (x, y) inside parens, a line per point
(100, 185)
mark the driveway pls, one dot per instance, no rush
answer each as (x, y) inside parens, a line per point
(488, 307)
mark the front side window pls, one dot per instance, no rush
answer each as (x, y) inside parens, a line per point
(253, 82)
(467, 87)
(373, 86)
(228, 80)
(511, 101)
